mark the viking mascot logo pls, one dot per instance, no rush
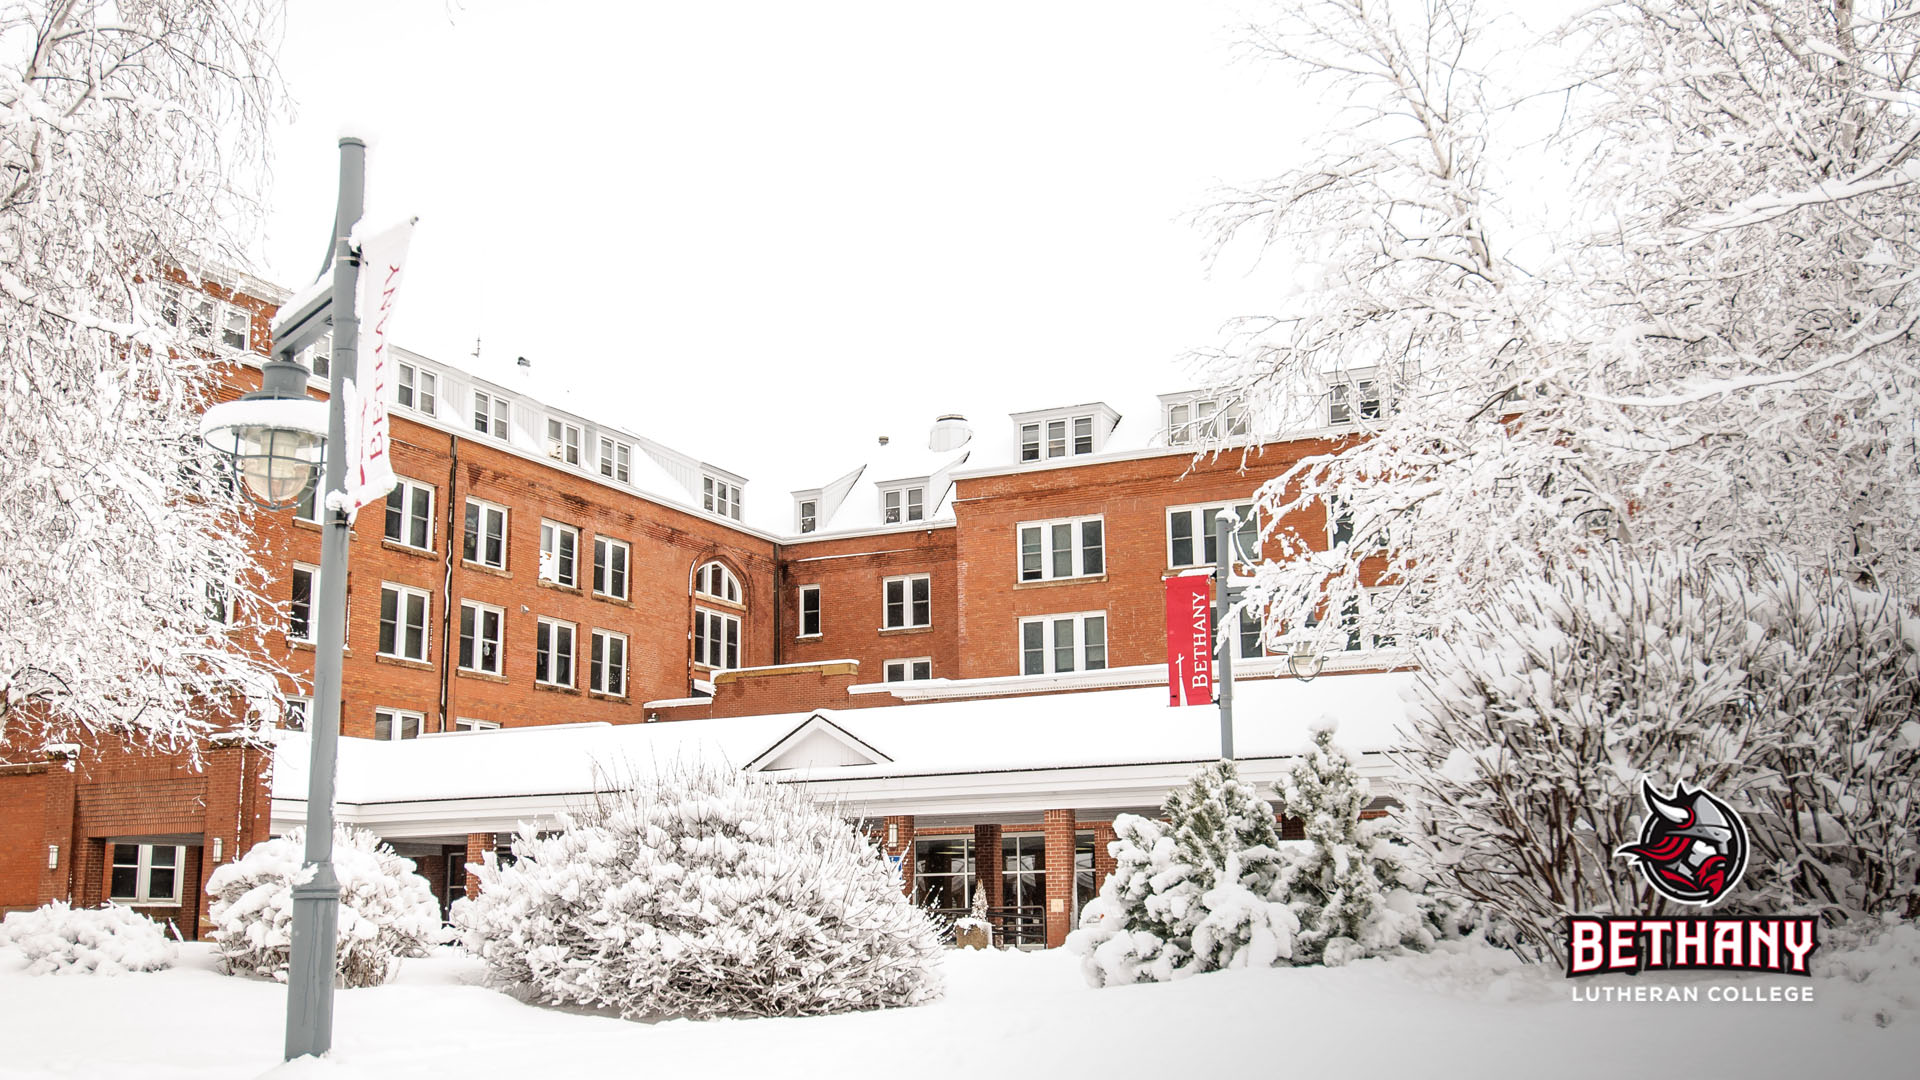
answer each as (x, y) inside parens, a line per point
(1692, 848)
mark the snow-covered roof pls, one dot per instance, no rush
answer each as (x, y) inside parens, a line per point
(957, 753)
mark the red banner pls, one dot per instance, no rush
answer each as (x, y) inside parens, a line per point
(1189, 640)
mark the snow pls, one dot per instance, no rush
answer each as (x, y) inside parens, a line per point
(1463, 1011)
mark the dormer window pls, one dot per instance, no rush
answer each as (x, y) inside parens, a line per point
(1202, 420)
(809, 511)
(563, 441)
(1063, 433)
(720, 496)
(1354, 399)
(419, 388)
(490, 413)
(905, 503)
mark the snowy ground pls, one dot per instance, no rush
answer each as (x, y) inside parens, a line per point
(1005, 1014)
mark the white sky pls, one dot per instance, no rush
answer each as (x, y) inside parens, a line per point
(757, 227)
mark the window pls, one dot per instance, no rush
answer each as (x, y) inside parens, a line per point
(403, 622)
(390, 725)
(481, 632)
(616, 459)
(715, 580)
(490, 412)
(1203, 419)
(486, 537)
(607, 670)
(318, 357)
(610, 567)
(553, 653)
(720, 496)
(909, 602)
(294, 716)
(300, 626)
(410, 515)
(1056, 438)
(305, 509)
(716, 639)
(419, 388)
(467, 723)
(1023, 876)
(1339, 523)
(809, 515)
(234, 328)
(1073, 547)
(943, 875)
(1061, 434)
(146, 873)
(910, 670)
(191, 312)
(219, 602)
(903, 504)
(1359, 636)
(1029, 442)
(1355, 400)
(1192, 539)
(809, 611)
(563, 441)
(1056, 643)
(1252, 637)
(559, 554)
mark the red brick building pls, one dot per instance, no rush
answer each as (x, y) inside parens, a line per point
(542, 566)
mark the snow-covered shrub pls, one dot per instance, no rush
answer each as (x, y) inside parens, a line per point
(107, 940)
(1344, 885)
(1196, 894)
(387, 911)
(1774, 689)
(704, 893)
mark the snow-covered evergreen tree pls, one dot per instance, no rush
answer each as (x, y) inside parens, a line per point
(702, 892)
(1339, 887)
(131, 139)
(1193, 895)
(387, 911)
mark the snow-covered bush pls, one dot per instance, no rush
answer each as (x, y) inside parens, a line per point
(387, 911)
(1343, 886)
(1789, 695)
(704, 893)
(1196, 894)
(107, 940)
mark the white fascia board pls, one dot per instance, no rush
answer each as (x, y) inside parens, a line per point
(928, 525)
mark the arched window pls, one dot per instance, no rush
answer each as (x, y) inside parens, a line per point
(716, 581)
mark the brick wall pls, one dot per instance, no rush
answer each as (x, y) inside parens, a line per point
(851, 572)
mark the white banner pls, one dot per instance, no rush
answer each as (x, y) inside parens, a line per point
(370, 476)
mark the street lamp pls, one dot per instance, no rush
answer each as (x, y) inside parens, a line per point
(1303, 662)
(275, 436)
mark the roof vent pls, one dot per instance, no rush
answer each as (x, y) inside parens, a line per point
(524, 362)
(950, 432)
(883, 440)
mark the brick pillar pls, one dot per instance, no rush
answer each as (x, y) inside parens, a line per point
(900, 829)
(986, 863)
(57, 831)
(1103, 861)
(479, 846)
(237, 805)
(1059, 828)
(89, 871)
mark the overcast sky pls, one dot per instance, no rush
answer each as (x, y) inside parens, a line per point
(768, 230)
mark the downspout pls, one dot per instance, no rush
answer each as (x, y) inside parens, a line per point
(779, 594)
(448, 646)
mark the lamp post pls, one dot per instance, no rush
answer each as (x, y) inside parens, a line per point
(275, 439)
(1302, 662)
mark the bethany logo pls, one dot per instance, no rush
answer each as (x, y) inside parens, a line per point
(1693, 847)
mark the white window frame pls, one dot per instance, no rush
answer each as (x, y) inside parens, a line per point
(396, 723)
(806, 513)
(143, 895)
(616, 459)
(1355, 397)
(555, 569)
(1200, 419)
(800, 607)
(1202, 536)
(317, 358)
(480, 533)
(406, 490)
(479, 638)
(1354, 622)
(1049, 553)
(905, 667)
(603, 569)
(901, 503)
(401, 624)
(313, 603)
(710, 650)
(564, 440)
(492, 414)
(600, 663)
(720, 496)
(549, 653)
(728, 585)
(418, 388)
(1049, 645)
(468, 723)
(907, 602)
(228, 313)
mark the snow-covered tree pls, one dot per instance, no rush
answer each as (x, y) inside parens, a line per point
(702, 893)
(387, 910)
(1342, 886)
(1194, 895)
(1792, 699)
(130, 136)
(108, 940)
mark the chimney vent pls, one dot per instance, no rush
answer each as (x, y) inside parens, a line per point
(524, 362)
(950, 432)
(883, 440)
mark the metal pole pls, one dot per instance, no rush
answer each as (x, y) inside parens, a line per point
(316, 903)
(1223, 603)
